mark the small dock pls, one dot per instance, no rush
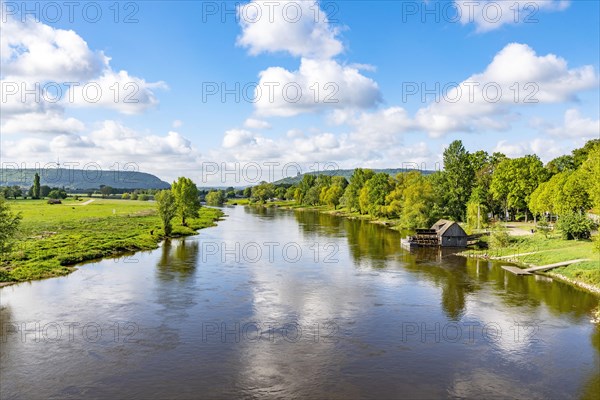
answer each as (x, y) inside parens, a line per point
(529, 271)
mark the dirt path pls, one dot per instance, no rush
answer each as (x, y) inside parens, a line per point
(86, 202)
(515, 255)
(518, 231)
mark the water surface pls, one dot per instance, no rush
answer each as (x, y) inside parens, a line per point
(282, 304)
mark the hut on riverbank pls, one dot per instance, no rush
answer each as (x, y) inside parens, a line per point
(444, 233)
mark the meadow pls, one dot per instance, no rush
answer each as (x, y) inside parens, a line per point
(54, 237)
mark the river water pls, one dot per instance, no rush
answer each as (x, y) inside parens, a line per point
(283, 304)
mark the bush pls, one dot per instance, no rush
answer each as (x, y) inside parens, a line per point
(499, 239)
(544, 227)
(134, 196)
(575, 226)
(125, 196)
(143, 197)
(57, 194)
(596, 240)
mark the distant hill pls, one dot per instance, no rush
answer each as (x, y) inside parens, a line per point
(78, 179)
(346, 173)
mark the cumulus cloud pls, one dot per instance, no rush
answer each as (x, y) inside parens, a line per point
(316, 85)
(108, 144)
(59, 65)
(546, 149)
(48, 122)
(488, 15)
(236, 137)
(252, 123)
(300, 28)
(119, 91)
(574, 126)
(516, 76)
(34, 51)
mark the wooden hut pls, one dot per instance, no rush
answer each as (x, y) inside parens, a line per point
(443, 233)
(450, 234)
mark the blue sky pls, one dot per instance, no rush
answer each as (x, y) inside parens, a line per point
(371, 52)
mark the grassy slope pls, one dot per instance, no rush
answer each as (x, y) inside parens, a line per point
(552, 250)
(54, 237)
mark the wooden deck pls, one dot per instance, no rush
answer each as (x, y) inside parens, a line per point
(531, 270)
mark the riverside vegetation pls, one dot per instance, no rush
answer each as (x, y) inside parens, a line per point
(51, 238)
(480, 191)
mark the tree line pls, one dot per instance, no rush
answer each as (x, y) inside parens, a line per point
(471, 188)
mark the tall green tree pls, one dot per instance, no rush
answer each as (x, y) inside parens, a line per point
(372, 197)
(187, 198)
(215, 198)
(459, 178)
(333, 195)
(582, 154)
(561, 164)
(357, 181)
(36, 186)
(516, 179)
(9, 223)
(263, 192)
(591, 171)
(167, 209)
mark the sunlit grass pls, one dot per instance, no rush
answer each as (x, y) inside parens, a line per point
(54, 237)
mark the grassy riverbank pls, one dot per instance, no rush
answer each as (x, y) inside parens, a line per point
(537, 250)
(54, 237)
(524, 249)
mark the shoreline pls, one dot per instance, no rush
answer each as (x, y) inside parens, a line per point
(593, 289)
(115, 251)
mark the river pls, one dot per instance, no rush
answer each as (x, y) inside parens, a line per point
(282, 304)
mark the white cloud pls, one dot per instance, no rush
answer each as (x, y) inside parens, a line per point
(237, 137)
(119, 91)
(252, 123)
(177, 124)
(300, 28)
(316, 85)
(517, 76)
(111, 143)
(574, 125)
(546, 149)
(48, 122)
(488, 15)
(37, 56)
(36, 52)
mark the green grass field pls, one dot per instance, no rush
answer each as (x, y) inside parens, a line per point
(52, 238)
(553, 250)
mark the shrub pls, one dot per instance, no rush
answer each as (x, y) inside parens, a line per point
(126, 196)
(596, 240)
(143, 197)
(544, 227)
(499, 239)
(134, 196)
(575, 226)
(57, 194)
